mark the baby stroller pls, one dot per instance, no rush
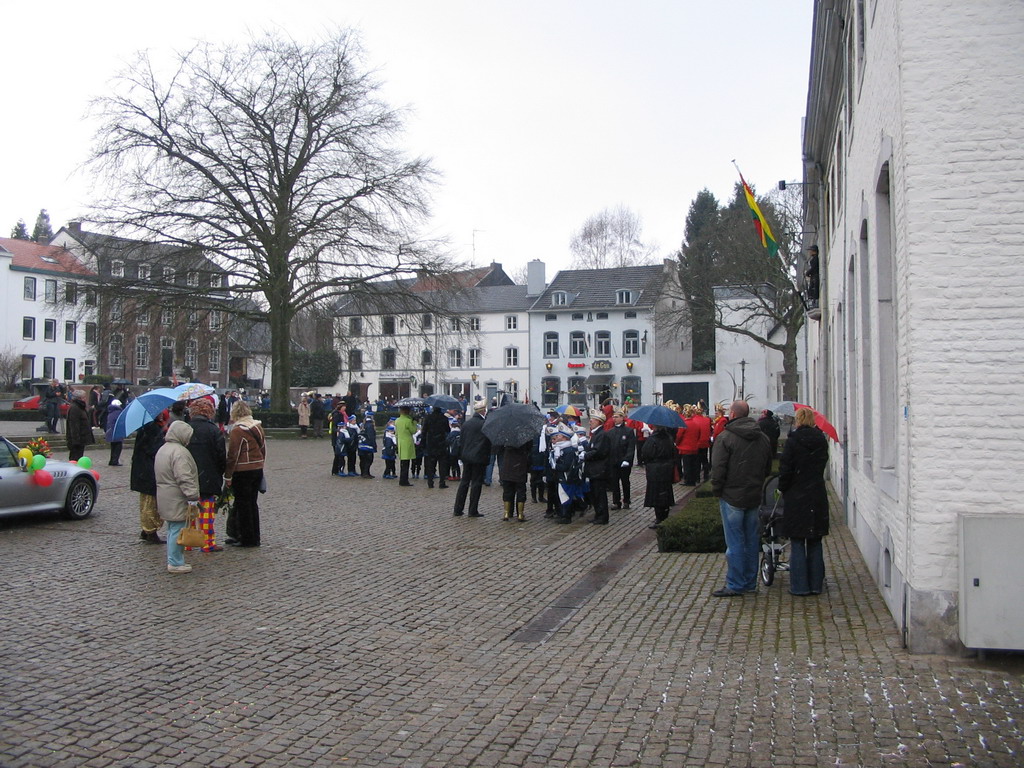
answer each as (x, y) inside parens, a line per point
(774, 548)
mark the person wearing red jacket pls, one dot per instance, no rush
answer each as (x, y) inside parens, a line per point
(687, 443)
(719, 422)
(703, 443)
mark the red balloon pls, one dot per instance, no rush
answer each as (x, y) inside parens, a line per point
(95, 474)
(73, 461)
(42, 478)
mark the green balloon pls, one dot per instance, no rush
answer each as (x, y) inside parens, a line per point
(85, 462)
(38, 461)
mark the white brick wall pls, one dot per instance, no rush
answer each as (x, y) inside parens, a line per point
(942, 86)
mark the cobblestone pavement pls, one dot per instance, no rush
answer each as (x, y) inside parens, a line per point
(374, 629)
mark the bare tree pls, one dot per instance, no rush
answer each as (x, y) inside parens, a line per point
(276, 160)
(611, 238)
(10, 368)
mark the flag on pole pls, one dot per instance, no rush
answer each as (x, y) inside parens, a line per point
(760, 223)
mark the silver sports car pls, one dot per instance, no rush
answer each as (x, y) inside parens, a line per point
(73, 489)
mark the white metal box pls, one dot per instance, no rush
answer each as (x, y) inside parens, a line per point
(992, 581)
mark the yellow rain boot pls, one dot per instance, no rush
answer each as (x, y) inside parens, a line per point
(521, 511)
(508, 511)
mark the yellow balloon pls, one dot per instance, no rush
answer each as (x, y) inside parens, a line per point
(26, 455)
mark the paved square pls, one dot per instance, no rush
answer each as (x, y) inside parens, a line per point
(374, 629)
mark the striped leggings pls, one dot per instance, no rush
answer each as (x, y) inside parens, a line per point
(207, 512)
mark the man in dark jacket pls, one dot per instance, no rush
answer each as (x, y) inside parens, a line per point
(598, 466)
(770, 426)
(210, 453)
(435, 430)
(148, 441)
(740, 460)
(317, 413)
(623, 447)
(476, 453)
(79, 432)
(52, 399)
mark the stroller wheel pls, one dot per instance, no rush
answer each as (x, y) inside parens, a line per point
(768, 568)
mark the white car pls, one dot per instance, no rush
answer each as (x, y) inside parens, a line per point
(74, 489)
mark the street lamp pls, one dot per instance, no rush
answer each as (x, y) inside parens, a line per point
(743, 378)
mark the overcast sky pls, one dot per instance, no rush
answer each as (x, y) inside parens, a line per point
(537, 113)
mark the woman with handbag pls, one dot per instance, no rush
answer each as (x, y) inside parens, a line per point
(246, 455)
(177, 491)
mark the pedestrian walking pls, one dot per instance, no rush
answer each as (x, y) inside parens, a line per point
(79, 431)
(805, 522)
(177, 490)
(476, 452)
(110, 415)
(659, 455)
(244, 473)
(740, 461)
(209, 451)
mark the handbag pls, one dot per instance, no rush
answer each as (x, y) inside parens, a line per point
(191, 536)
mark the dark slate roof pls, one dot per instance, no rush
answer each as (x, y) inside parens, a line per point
(112, 247)
(596, 288)
(494, 298)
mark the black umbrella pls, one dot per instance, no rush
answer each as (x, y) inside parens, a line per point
(513, 425)
(410, 402)
(444, 402)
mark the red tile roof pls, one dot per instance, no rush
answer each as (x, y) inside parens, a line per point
(42, 258)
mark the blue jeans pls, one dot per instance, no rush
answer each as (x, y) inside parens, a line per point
(489, 472)
(806, 566)
(743, 546)
(175, 552)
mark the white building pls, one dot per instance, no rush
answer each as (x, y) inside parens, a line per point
(46, 316)
(914, 166)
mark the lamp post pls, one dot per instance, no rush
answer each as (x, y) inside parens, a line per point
(743, 379)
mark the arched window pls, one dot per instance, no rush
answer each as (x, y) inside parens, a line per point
(631, 343)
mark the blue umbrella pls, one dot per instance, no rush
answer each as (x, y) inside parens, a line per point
(658, 416)
(140, 411)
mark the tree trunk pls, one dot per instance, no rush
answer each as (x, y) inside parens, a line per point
(280, 319)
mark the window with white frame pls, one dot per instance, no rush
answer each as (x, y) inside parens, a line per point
(168, 274)
(90, 333)
(216, 281)
(550, 317)
(216, 320)
(512, 388)
(116, 349)
(70, 293)
(145, 271)
(355, 326)
(166, 316)
(551, 344)
(142, 352)
(426, 322)
(387, 325)
(49, 367)
(550, 391)
(476, 356)
(577, 315)
(28, 328)
(426, 358)
(191, 354)
(30, 289)
(511, 357)
(214, 357)
(623, 297)
(511, 322)
(454, 358)
(70, 331)
(602, 315)
(355, 359)
(89, 367)
(630, 315)
(144, 316)
(50, 291)
(577, 344)
(559, 299)
(49, 330)
(603, 344)
(117, 269)
(456, 324)
(631, 343)
(474, 323)
(193, 318)
(69, 368)
(192, 279)
(90, 297)
(116, 310)
(388, 360)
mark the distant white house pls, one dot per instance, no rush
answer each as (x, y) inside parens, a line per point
(46, 315)
(914, 166)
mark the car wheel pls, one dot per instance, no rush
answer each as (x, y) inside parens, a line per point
(81, 499)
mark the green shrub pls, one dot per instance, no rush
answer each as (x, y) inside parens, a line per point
(275, 419)
(697, 527)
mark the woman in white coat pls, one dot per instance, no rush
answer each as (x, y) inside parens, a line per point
(177, 489)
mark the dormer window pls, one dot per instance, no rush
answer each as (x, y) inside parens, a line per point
(623, 297)
(192, 279)
(117, 269)
(559, 299)
(144, 272)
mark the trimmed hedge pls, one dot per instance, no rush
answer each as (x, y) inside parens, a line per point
(697, 527)
(277, 419)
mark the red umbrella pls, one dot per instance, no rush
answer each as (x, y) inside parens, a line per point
(789, 408)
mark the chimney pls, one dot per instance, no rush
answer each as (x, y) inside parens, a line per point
(535, 278)
(75, 228)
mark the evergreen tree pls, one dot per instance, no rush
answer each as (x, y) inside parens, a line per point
(697, 268)
(42, 232)
(20, 231)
